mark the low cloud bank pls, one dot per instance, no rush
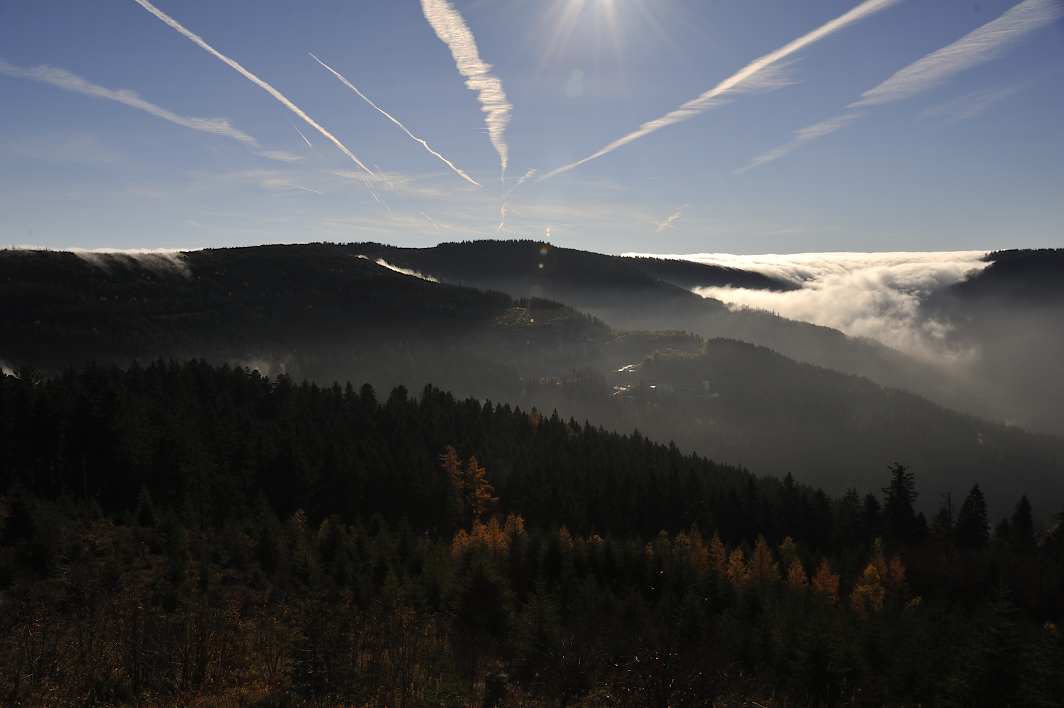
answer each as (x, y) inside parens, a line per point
(875, 295)
(158, 259)
(405, 271)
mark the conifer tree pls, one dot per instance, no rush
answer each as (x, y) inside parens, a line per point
(764, 571)
(942, 525)
(738, 571)
(796, 577)
(718, 556)
(868, 592)
(849, 517)
(973, 526)
(826, 583)
(899, 515)
(788, 552)
(1022, 525)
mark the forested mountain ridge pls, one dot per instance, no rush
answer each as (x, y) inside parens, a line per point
(653, 294)
(243, 298)
(1035, 276)
(819, 422)
(1001, 351)
(324, 313)
(1011, 314)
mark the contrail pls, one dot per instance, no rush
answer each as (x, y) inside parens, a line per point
(300, 133)
(72, 82)
(977, 47)
(502, 218)
(712, 98)
(803, 136)
(433, 222)
(519, 182)
(453, 31)
(389, 117)
(307, 189)
(254, 79)
(667, 224)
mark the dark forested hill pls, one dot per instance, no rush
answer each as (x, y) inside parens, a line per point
(212, 439)
(1011, 314)
(777, 415)
(332, 313)
(1027, 276)
(652, 294)
(239, 300)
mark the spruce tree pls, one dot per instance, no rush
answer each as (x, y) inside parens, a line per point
(899, 516)
(1022, 524)
(973, 526)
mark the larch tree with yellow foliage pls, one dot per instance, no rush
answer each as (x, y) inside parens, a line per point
(764, 570)
(826, 583)
(738, 572)
(471, 492)
(796, 577)
(718, 557)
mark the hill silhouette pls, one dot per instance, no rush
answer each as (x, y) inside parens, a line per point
(333, 313)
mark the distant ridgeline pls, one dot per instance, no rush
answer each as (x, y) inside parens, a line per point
(180, 531)
(270, 299)
(367, 313)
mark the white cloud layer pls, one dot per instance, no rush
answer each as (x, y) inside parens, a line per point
(875, 295)
(453, 31)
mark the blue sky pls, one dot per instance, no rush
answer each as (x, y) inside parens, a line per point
(961, 150)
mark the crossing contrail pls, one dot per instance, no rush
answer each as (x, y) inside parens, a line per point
(392, 119)
(254, 79)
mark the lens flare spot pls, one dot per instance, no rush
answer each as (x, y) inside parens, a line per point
(542, 250)
(574, 85)
(541, 266)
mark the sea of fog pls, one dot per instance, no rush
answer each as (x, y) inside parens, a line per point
(875, 295)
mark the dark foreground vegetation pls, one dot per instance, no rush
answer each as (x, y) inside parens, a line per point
(198, 535)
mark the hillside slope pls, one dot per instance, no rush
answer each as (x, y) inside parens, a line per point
(323, 313)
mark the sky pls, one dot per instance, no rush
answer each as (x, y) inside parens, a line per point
(656, 126)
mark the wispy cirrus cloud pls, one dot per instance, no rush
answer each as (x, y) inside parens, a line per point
(282, 155)
(392, 119)
(811, 132)
(758, 75)
(61, 78)
(984, 44)
(254, 79)
(979, 46)
(968, 106)
(454, 32)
